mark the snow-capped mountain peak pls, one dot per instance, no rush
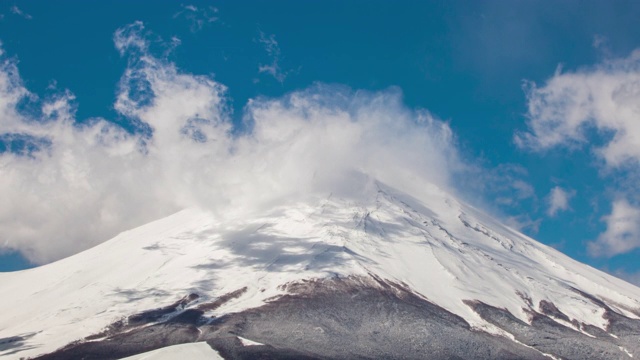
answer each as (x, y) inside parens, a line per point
(435, 247)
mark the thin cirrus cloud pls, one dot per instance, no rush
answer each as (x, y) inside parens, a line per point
(17, 11)
(197, 17)
(67, 185)
(271, 46)
(598, 108)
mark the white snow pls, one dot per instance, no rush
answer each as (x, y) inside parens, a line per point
(629, 354)
(191, 351)
(443, 249)
(247, 342)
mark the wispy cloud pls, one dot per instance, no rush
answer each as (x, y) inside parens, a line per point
(273, 51)
(623, 231)
(17, 11)
(507, 183)
(597, 108)
(603, 98)
(197, 17)
(524, 223)
(558, 200)
(504, 190)
(87, 182)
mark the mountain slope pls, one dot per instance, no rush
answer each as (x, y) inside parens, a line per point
(429, 258)
(193, 351)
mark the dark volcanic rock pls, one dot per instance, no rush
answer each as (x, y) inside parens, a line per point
(551, 337)
(353, 318)
(548, 308)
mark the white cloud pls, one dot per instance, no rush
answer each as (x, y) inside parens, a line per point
(17, 11)
(623, 231)
(598, 108)
(558, 200)
(273, 51)
(91, 181)
(604, 98)
(131, 38)
(12, 90)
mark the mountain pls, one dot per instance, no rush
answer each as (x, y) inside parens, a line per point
(382, 275)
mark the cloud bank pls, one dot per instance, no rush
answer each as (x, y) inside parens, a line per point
(597, 108)
(68, 185)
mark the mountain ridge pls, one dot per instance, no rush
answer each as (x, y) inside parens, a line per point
(436, 248)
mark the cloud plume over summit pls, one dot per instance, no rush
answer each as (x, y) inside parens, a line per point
(67, 185)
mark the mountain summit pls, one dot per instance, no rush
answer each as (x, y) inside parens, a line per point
(384, 275)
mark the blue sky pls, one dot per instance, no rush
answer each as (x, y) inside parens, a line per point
(504, 77)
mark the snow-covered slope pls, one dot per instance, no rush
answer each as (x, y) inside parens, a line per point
(192, 351)
(443, 250)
